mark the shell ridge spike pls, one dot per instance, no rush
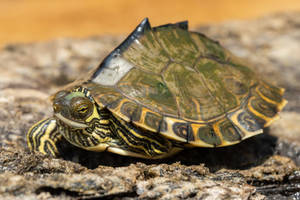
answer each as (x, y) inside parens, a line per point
(138, 31)
(183, 25)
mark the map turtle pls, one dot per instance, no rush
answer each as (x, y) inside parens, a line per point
(161, 90)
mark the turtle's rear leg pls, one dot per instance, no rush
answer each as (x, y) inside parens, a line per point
(44, 136)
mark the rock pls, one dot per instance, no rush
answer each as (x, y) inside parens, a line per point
(265, 166)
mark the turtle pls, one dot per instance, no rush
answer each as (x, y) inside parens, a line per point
(163, 89)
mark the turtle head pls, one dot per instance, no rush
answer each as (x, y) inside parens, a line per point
(75, 108)
(77, 117)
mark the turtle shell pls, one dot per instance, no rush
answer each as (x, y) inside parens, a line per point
(185, 86)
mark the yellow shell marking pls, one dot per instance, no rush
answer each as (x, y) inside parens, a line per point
(268, 120)
(234, 120)
(141, 121)
(198, 142)
(170, 133)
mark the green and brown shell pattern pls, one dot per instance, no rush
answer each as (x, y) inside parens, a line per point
(184, 86)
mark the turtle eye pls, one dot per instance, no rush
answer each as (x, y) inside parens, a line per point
(82, 107)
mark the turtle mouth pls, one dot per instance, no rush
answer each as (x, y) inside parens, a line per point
(69, 122)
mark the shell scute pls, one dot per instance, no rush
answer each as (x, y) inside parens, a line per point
(208, 135)
(105, 96)
(147, 54)
(271, 93)
(149, 120)
(212, 73)
(183, 130)
(208, 47)
(131, 110)
(229, 132)
(193, 98)
(170, 132)
(153, 120)
(148, 90)
(246, 122)
(178, 44)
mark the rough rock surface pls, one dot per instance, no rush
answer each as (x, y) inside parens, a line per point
(265, 166)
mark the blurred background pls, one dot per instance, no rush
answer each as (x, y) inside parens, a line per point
(38, 20)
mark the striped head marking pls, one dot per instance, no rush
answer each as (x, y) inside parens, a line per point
(76, 108)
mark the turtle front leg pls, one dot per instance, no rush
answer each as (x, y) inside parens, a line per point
(44, 136)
